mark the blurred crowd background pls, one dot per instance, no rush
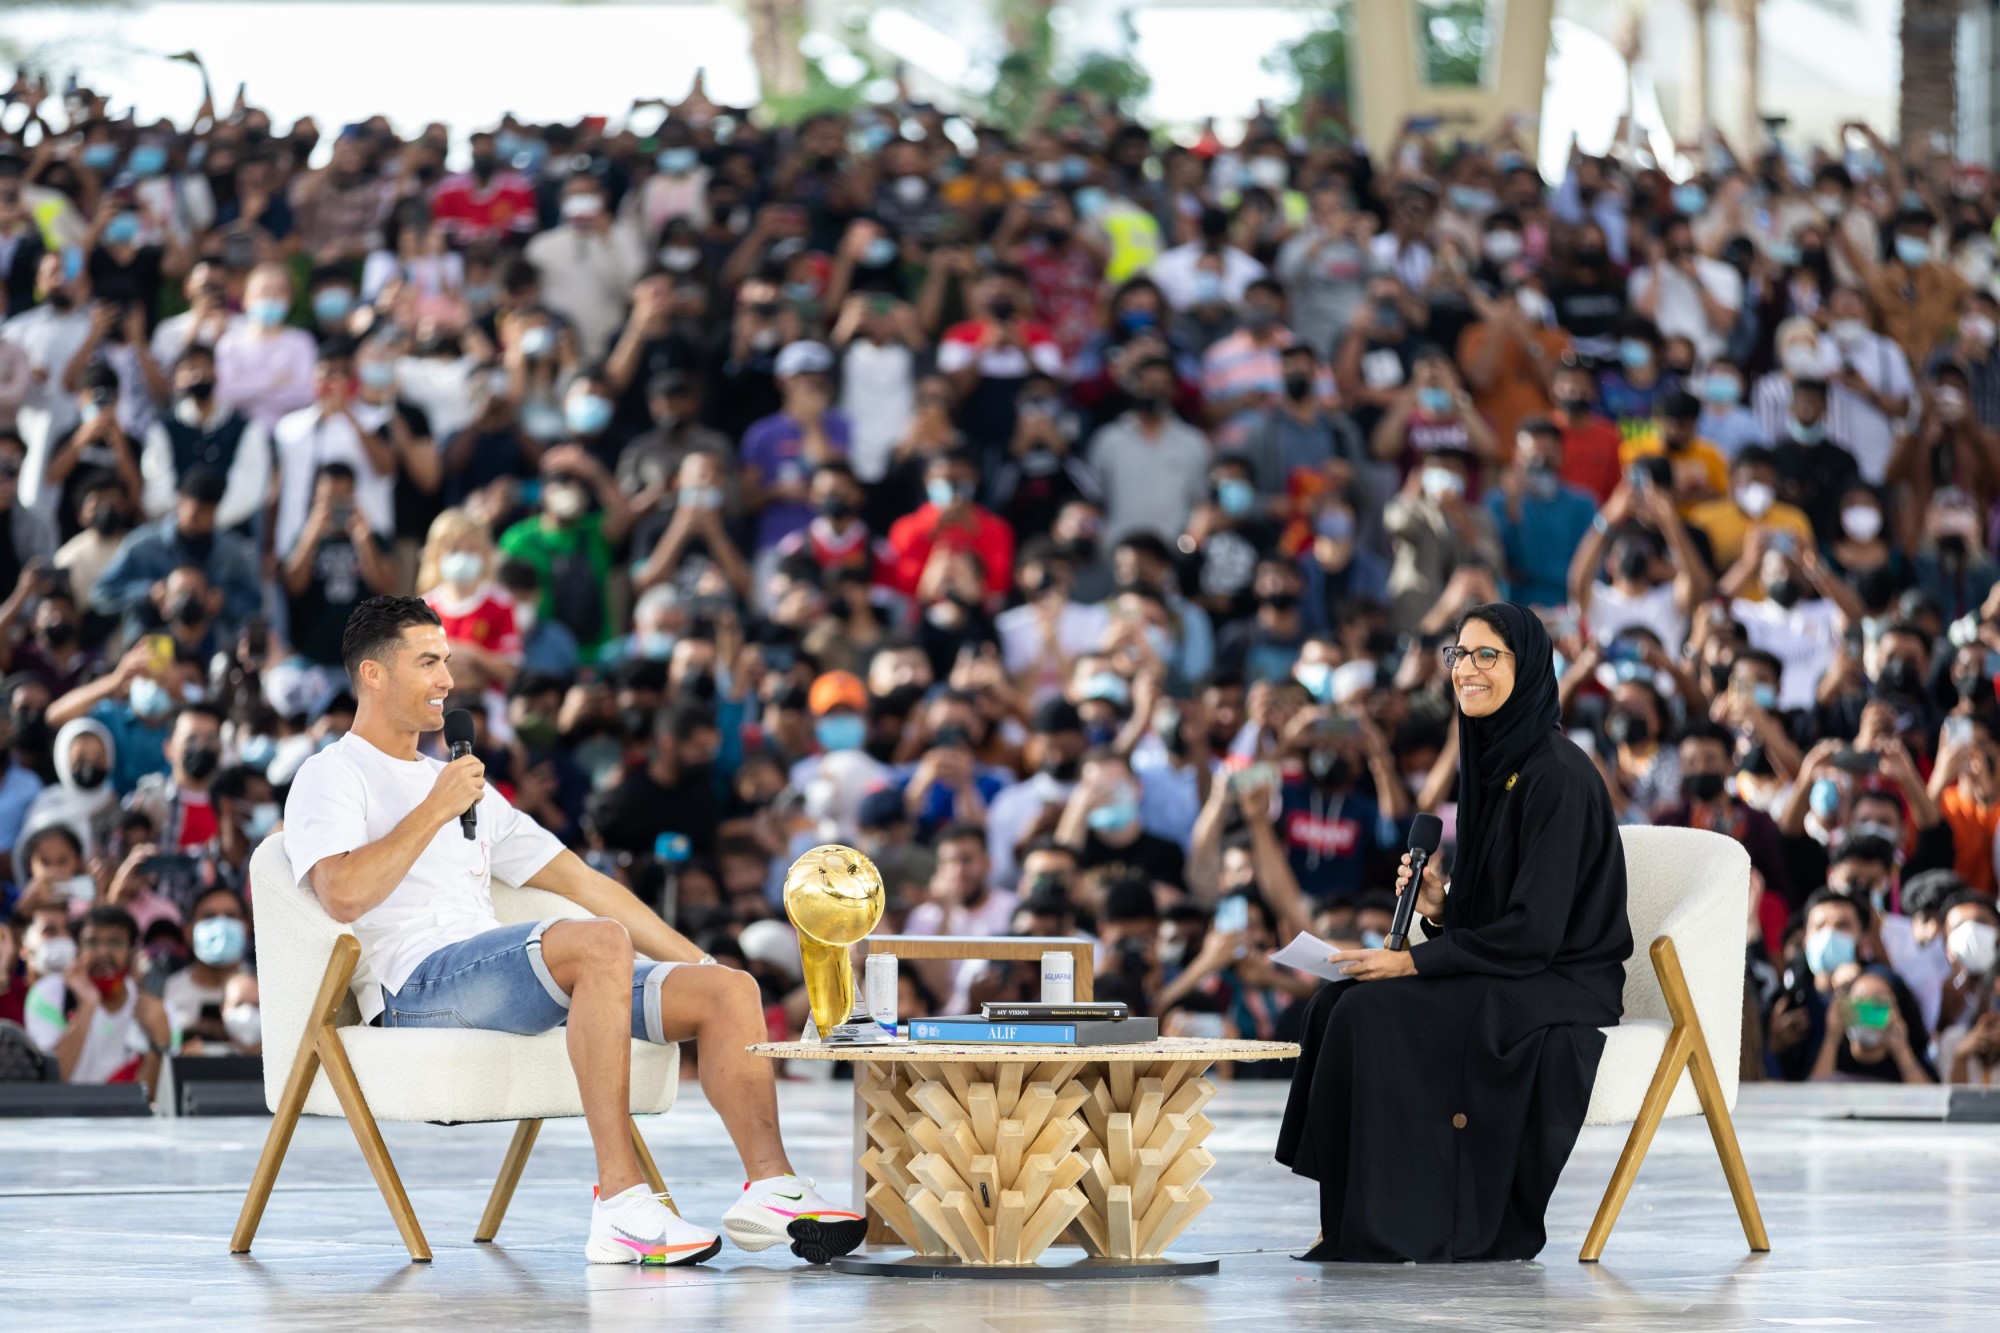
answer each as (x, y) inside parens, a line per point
(1069, 516)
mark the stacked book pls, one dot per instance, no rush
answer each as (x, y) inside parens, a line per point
(1074, 1024)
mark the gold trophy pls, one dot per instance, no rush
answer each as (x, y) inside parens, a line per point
(834, 896)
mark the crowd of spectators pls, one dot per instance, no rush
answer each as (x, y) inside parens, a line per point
(1070, 518)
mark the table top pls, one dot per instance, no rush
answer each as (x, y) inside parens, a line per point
(934, 1052)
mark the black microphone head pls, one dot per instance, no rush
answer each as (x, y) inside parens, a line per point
(1426, 830)
(458, 729)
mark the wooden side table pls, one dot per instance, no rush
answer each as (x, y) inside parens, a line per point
(980, 1158)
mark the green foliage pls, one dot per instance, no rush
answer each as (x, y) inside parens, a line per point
(1453, 37)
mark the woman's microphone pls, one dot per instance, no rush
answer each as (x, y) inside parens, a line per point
(458, 735)
(1426, 831)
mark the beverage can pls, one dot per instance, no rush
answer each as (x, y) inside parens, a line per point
(1058, 977)
(879, 987)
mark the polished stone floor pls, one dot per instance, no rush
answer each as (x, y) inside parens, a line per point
(1882, 1222)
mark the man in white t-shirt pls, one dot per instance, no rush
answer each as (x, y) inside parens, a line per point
(1687, 294)
(92, 1017)
(373, 829)
(338, 428)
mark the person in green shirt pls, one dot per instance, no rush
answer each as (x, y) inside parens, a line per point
(573, 546)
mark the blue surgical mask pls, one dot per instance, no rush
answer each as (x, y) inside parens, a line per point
(1806, 434)
(654, 645)
(257, 752)
(263, 818)
(1720, 388)
(1689, 199)
(1372, 939)
(219, 941)
(1913, 250)
(1764, 697)
(150, 699)
(1471, 199)
(1434, 401)
(1207, 288)
(461, 567)
(1317, 677)
(148, 159)
(880, 253)
(1827, 950)
(1825, 799)
(677, 161)
(538, 341)
(1118, 816)
(269, 313)
(587, 414)
(122, 230)
(376, 374)
(1634, 353)
(941, 493)
(332, 304)
(100, 157)
(1109, 686)
(1334, 524)
(1236, 496)
(841, 731)
(1090, 201)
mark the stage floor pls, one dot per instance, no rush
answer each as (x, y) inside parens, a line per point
(124, 1224)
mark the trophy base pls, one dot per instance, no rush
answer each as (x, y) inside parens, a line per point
(858, 1030)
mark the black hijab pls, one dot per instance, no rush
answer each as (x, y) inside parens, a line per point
(1492, 749)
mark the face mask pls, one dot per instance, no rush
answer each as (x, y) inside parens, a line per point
(1317, 677)
(1258, 318)
(565, 502)
(245, 1024)
(1471, 199)
(1800, 361)
(1829, 204)
(1543, 483)
(1722, 389)
(1434, 402)
(263, 818)
(219, 940)
(841, 731)
(1754, 498)
(1972, 944)
(1828, 950)
(582, 206)
(1269, 172)
(912, 190)
(1825, 799)
(188, 612)
(121, 230)
(1118, 816)
(53, 953)
(147, 160)
(1634, 566)
(332, 304)
(1062, 770)
(200, 762)
(587, 414)
(376, 374)
(1236, 496)
(1976, 329)
(89, 411)
(1861, 521)
(88, 777)
(461, 567)
(1207, 288)
(1372, 939)
(1298, 388)
(676, 161)
(150, 699)
(1628, 728)
(1335, 525)
(1701, 786)
(1689, 200)
(1785, 592)
(1804, 433)
(941, 493)
(1440, 483)
(1634, 354)
(1329, 768)
(268, 313)
(1574, 408)
(1503, 247)
(1913, 250)
(107, 523)
(538, 341)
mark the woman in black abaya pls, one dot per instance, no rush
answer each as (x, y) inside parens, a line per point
(1440, 1092)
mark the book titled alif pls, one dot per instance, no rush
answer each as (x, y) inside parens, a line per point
(973, 1030)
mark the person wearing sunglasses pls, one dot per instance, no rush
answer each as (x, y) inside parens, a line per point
(1436, 1102)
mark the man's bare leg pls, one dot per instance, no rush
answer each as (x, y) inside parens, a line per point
(719, 1008)
(592, 961)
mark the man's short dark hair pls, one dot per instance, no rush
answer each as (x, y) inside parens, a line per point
(1963, 898)
(106, 914)
(963, 831)
(1829, 894)
(376, 626)
(1933, 893)
(1131, 900)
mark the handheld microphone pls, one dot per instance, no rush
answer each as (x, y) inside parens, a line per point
(458, 735)
(1426, 831)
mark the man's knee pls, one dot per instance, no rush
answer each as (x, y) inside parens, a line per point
(596, 942)
(730, 994)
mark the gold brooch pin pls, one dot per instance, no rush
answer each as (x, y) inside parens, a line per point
(1512, 778)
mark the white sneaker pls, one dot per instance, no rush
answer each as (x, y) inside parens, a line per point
(789, 1208)
(636, 1228)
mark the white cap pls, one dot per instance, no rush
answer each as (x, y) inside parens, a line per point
(804, 358)
(772, 942)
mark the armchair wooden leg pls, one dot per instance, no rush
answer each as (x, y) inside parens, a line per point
(652, 1171)
(345, 1086)
(1714, 1107)
(510, 1175)
(305, 1068)
(1665, 1076)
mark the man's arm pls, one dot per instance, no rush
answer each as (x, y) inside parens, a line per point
(601, 895)
(354, 883)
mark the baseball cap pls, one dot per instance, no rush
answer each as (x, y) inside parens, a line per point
(804, 358)
(837, 689)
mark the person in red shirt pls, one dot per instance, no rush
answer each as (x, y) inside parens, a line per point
(488, 203)
(950, 521)
(1590, 441)
(457, 576)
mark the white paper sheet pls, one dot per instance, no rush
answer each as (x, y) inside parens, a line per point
(1308, 953)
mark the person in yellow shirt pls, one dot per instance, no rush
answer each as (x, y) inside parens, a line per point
(1699, 470)
(1752, 504)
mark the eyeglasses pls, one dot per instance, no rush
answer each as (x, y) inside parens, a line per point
(1483, 658)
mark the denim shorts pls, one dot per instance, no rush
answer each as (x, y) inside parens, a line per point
(497, 981)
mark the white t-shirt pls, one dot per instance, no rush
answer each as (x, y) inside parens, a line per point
(305, 441)
(1803, 638)
(1078, 629)
(115, 1039)
(1680, 312)
(1923, 968)
(878, 393)
(351, 794)
(1612, 613)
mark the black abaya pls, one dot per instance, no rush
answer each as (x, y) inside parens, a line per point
(1437, 1110)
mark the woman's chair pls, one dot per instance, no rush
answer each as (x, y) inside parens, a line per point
(320, 1059)
(1675, 1051)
